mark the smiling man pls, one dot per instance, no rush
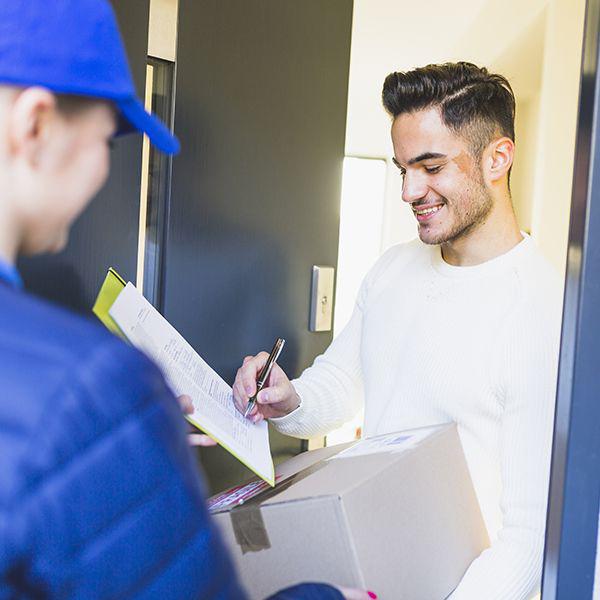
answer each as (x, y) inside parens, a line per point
(460, 325)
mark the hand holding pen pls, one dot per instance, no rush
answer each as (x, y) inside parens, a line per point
(264, 373)
(265, 381)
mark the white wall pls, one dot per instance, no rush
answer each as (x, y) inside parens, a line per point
(558, 120)
(361, 219)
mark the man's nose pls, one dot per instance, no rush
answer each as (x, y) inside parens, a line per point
(414, 187)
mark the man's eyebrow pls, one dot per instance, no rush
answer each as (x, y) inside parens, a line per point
(426, 156)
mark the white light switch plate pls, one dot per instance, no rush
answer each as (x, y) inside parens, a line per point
(321, 304)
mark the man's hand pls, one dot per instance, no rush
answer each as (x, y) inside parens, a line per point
(277, 399)
(195, 439)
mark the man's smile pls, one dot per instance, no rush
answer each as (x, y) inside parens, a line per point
(425, 212)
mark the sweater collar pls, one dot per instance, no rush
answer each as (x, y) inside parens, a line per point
(491, 266)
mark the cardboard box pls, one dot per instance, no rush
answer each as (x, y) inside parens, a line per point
(396, 514)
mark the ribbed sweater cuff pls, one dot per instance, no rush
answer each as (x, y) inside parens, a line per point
(304, 422)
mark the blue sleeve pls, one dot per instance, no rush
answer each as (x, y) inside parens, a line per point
(308, 591)
(112, 504)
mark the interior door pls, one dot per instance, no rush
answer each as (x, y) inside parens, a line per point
(260, 109)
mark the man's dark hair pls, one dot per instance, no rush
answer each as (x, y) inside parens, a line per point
(473, 103)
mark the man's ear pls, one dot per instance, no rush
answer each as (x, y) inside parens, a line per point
(28, 123)
(500, 154)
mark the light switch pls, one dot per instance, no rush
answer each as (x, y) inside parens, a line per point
(321, 304)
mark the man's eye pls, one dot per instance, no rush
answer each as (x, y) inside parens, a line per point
(433, 169)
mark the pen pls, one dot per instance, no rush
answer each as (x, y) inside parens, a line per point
(264, 373)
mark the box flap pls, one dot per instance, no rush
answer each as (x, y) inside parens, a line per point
(240, 494)
(337, 475)
(330, 471)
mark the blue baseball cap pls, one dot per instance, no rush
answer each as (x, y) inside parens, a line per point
(74, 47)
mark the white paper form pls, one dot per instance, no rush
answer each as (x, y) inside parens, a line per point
(187, 373)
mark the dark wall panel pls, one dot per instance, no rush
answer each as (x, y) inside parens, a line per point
(261, 114)
(107, 233)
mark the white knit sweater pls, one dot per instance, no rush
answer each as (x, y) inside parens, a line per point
(431, 343)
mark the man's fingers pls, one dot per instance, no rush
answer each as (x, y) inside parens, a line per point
(240, 399)
(249, 371)
(270, 395)
(248, 377)
(199, 439)
(244, 386)
(239, 396)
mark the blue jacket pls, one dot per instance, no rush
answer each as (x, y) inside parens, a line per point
(100, 496)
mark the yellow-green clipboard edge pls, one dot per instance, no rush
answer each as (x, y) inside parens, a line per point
(270, 480)
(111, 288)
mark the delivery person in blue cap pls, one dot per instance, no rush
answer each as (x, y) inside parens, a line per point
(99, 493)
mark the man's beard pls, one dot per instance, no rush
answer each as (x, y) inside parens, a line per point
(468, 216)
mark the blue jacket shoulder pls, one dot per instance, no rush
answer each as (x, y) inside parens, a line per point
(99, 492)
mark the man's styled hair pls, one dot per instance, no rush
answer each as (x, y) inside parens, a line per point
(475, 104)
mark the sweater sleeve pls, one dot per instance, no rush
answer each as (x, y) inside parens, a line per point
(526, 380)
(331, 389)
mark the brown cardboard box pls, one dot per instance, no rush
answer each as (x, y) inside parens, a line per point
(396, 514)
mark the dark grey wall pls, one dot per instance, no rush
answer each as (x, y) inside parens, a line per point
(107, 233)
(261, 114)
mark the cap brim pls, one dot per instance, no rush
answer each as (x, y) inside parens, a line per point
(135, 117)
